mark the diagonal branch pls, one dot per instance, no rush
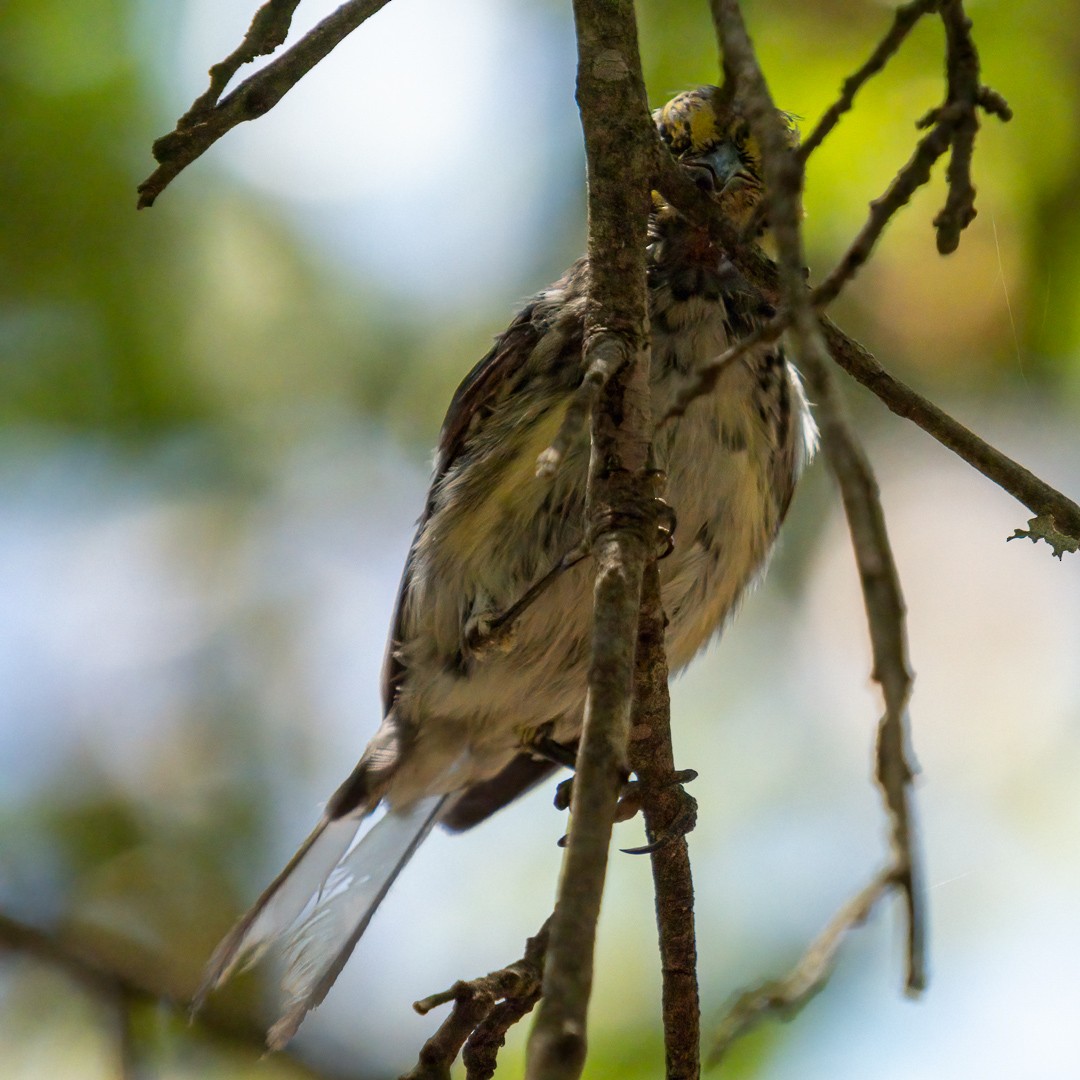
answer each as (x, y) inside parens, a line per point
(1037, 495)
(268, 30)
(784, 997)
(904, 19)
(126, 989)
(208, 119)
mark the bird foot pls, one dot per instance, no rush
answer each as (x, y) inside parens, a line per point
(629, 805)
(683, 822)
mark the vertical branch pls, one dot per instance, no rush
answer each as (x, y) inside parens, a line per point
(618, 142)
(668, 811)
(962, 73)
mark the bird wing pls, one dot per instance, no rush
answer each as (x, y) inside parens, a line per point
(468, 407)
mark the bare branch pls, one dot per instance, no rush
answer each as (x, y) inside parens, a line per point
(962, 70)
(907, 181)
(484, 1010)
(668, 810)
(268, 30)
(1038, 496)
(708, 375)
(783, 998)
(904, 20)
(619, 139)
(849, 464)
(602, 366)
(208, 119)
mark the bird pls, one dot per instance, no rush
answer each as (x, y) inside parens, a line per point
(474, 719)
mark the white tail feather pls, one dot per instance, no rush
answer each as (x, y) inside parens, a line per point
(281, 904)
(306, 880)
(320, 904)
(326, 934)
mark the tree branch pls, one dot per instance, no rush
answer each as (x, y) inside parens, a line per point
(1057, 518)
(268, 30)
(784, 997)
(484, 1010)
(862, 505)
(208, 118)
(1038, 496)
(618, 144)
(904, 19)
(668, 812)
(962, 72)
(109, 982)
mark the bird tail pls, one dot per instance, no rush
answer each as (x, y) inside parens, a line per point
(320, 904)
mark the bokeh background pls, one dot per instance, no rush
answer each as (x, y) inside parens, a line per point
(215, 426)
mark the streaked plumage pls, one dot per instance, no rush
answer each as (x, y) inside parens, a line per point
(453, 746)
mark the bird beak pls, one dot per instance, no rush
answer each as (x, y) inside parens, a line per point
(712, 172)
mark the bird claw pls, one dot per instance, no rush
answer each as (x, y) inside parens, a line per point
(665, 526)
(630, 803)
(684, 820)
(564, 792)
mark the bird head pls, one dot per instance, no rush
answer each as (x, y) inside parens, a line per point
(708, 133)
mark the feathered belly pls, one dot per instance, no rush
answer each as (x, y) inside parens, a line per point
(718, 466)
(476, 559)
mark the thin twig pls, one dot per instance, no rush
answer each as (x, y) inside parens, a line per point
(915, 173)
(493, 631)
(619, 140)
(858, 487)
(201, 127)
(886, 614)
(665, 808)
(603, 363)
(907, 15)
(480, 1052)
(904, 20)
(708, 375)
(268, 30)
(1037, 495)
(783, 998)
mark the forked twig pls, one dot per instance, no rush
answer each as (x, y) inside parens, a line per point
(904, 19)
(208, 118)
(484, 1011)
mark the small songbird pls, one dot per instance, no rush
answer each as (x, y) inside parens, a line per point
(470, 718)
